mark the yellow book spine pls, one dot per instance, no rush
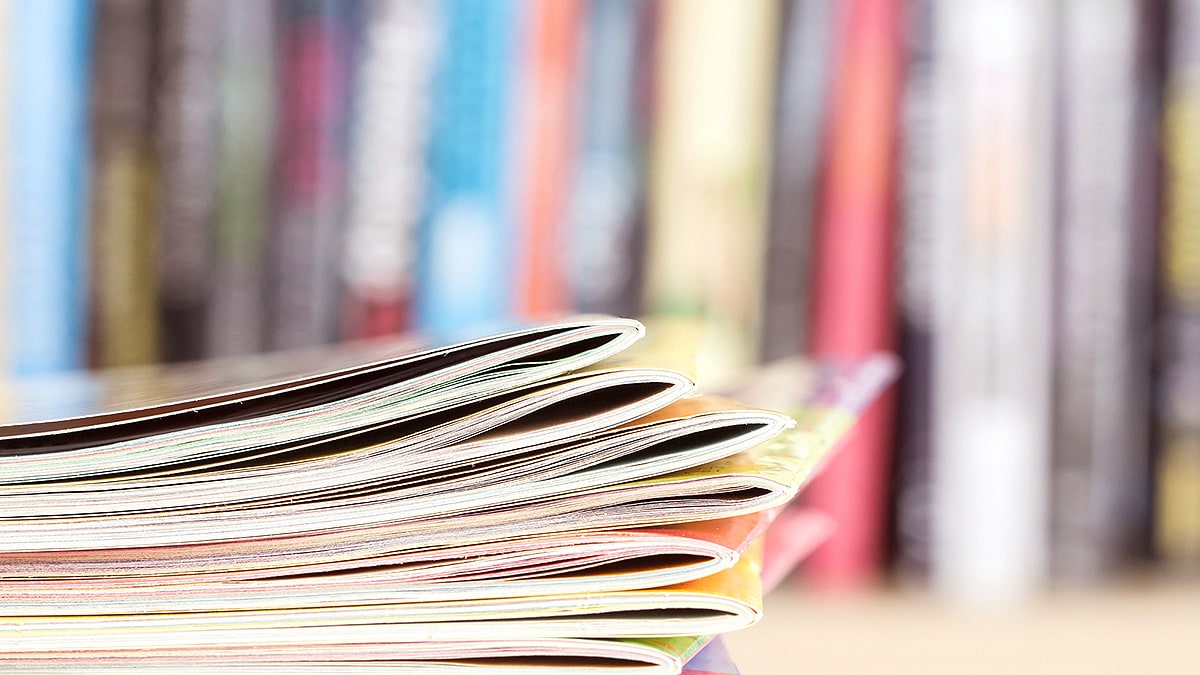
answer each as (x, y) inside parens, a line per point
(707, 205)
(1177, 506)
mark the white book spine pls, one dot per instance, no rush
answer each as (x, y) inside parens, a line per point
(992, 314)
(390, 128)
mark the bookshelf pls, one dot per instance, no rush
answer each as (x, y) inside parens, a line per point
(201, 178)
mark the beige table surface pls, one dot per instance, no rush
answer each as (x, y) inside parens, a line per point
(1135, 628)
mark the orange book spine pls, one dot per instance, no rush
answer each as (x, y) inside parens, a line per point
(547, 127)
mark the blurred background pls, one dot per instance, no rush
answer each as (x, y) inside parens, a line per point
(1006, 193)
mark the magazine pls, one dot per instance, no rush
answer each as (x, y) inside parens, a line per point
(530, 499)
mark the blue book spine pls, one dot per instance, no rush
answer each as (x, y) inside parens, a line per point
(46, 144)
(465, 276)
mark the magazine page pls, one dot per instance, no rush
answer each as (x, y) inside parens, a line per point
(147, 404)
(614, 560)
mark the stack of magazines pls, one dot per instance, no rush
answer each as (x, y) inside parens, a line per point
(534, 499)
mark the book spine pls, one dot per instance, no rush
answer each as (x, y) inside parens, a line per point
(45, 157)
(389, 134)
(544, 124)
(604, 200)
(1101, 358)
(124, 307)
(310, 180)
(803, 74)
(912, 479)
(852, 304)
(707, 221)
(646, 86)
(5, 203)
(466, 238)
(993, 275)
(186, 93)
(246, 103)
(1177, 474)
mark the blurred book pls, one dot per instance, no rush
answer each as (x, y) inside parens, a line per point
(1104, 292)
(706, 236)
(45, 145)
(548, 93)
(912, 488)
(852, 306)
(604, 216)
(124, 308)
(316, 52)
(390, 130)
(802, 77)
(5, 244)
(245, 156)
(466, 250)
(190, 40)
(992, 358)
(1177, 507)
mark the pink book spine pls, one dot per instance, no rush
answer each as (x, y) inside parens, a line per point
(852, 311)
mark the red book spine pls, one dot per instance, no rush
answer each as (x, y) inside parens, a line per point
(310, 184)
(852, 312)
(547, 121)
